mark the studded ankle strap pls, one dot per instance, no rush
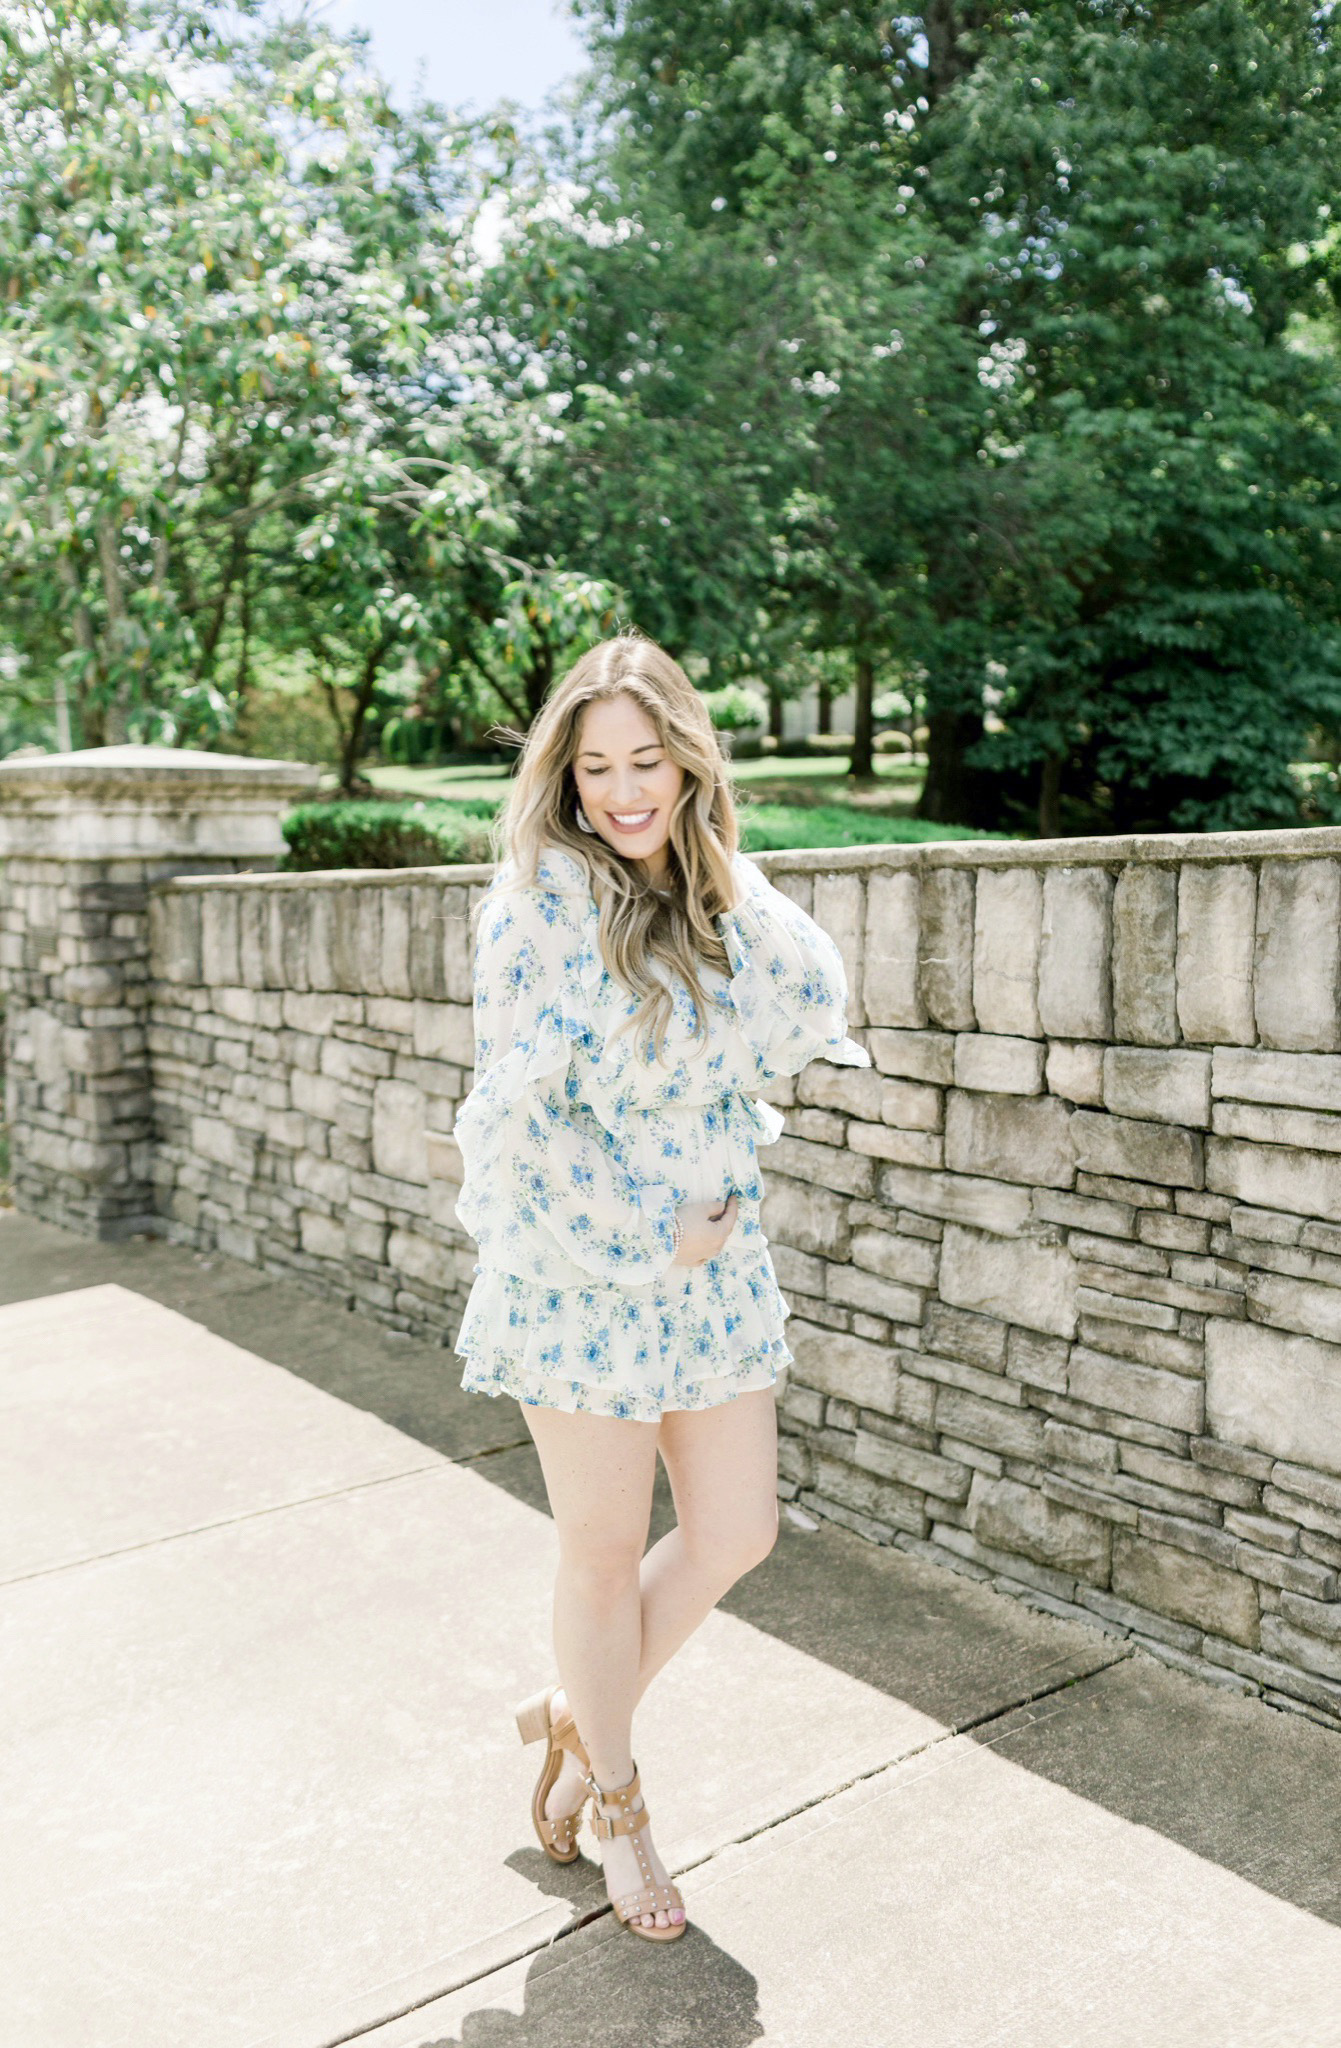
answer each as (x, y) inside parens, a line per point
(623, 1821)
(650, 1896)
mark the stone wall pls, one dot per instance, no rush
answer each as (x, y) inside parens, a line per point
(311, 1038)
(1064, 1265)
(83, 838)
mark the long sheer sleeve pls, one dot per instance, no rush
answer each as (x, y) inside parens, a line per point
(546, 1185)
(789, 985)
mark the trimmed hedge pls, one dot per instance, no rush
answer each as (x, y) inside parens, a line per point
(388, 835)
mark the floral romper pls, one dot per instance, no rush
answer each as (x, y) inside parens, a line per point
(577, 1151)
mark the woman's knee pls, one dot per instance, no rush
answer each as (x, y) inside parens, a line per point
(763, 1532)
(727, 1548)
(601, 1568)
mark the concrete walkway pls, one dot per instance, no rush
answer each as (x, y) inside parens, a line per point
(271, 1584)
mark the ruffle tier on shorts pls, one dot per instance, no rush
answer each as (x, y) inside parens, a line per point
(698, 1338)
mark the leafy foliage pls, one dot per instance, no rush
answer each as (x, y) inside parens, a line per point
(231, 362)
(981, 357)
(1147, 192)
(1063, 286)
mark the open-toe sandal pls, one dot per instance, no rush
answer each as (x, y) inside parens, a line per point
(650, 1897)
(557, 1832)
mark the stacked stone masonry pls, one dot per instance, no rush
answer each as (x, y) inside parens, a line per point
(84, 838)
(1064, 1264)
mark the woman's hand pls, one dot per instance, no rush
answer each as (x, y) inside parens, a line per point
(705, 1228)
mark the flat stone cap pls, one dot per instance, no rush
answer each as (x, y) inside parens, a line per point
(133, 764)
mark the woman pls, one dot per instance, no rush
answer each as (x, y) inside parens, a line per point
(635, 979)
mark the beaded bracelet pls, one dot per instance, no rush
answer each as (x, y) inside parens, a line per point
(679, 1233)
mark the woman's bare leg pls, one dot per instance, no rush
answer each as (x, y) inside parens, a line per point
(723, 1469)
(722, 1464)
(598, 1474)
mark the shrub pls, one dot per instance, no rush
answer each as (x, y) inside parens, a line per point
(409, 741)
(389, 835)
(735, 707)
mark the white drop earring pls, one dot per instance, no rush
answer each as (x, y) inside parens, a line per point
(584, 823)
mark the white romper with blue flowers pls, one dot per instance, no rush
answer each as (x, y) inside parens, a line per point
(578, 1151)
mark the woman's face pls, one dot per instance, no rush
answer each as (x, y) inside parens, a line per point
(623, 772)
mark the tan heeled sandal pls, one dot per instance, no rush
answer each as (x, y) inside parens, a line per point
(651, 1897)
(558, 1834)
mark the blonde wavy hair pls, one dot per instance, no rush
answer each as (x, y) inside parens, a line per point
(637, 922)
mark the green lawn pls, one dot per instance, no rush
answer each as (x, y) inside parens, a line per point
(773, 827)
(894, 773)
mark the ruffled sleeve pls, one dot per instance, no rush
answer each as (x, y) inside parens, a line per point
(546, 1188)
(789, 985)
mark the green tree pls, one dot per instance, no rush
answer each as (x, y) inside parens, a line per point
(229, 270)
(1142, 191)
(633, 470)
(733, 153)
(1095, 490)
(785, 139)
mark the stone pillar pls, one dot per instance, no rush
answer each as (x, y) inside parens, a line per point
(83, 836)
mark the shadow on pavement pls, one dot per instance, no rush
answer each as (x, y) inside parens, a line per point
(622, 2001)
(1254, 1790)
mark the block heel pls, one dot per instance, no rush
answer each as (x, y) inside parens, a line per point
(533, 1716)
(557, 1833)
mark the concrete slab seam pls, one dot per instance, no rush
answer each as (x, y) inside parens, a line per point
(1042, 1693)
(523, 1443)
(279, 1507)
(523, 1947)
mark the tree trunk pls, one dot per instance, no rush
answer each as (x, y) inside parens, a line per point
(242, 680)
(946, 22)
(1050, 798)
(115, 729)
(234, 567)
(64, 742)
(90, 717)
(352, 740)
(538, 679)
(862, 762)
(775, 715)
(952, 793)
(824, 707)
(948, 795)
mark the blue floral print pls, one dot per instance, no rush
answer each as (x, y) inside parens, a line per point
(578, 1148)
